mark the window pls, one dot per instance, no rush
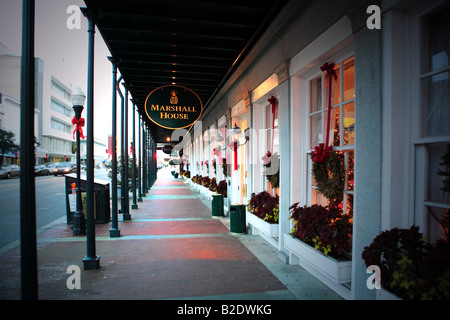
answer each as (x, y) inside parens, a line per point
(432, 201)
(59, 107)
(272, 138)
(60, 126)
(60, 91)
(342, 125)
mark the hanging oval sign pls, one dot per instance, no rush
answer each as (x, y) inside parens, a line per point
(173, 107)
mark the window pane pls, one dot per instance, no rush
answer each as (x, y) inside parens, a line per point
(317, 197)
(315, 130)
(335, 88)
(316, 95)
(434, 228)
(334, 138)
(349, 79)
(350, 170)
(435, 89)
(439, 40)
(435, 107)
(349, 123)
(436, 152)
(349, 204)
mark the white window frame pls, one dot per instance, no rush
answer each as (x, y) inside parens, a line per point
(340, 59)
(419, 144)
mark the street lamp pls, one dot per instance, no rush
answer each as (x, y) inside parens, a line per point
(235, 142)
(236, 136)
(78, 219)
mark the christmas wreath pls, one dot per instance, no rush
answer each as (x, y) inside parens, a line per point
(270, 159)
(329, 173)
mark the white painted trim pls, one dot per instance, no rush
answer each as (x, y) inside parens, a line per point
(238, 109)
(337, 37)
(265, 87)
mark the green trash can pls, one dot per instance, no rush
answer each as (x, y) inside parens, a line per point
(237, 219)
(217, 205)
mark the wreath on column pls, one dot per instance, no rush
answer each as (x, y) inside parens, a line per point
(329, 173)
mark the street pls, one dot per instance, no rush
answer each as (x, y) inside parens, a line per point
(50, 204)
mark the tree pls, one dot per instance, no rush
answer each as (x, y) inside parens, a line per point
(7, 144)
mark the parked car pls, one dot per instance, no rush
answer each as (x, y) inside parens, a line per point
(10, 171)
(41, 170)
(2, 173)
(64, 167)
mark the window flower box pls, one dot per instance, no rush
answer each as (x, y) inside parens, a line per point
(268, 229)
(316, 262)
(383, 294)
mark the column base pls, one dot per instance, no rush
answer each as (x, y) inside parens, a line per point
(126, 216)
(91, 263)
(114, 233)
(134, 206)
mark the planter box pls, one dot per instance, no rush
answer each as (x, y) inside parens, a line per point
(316, 262)
(383, 294)
(269, 229)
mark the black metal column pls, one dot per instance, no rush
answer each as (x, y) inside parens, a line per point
(144, 159)
(122, 129)
(91, 261)
(139, 163)
(28, 248)
(155, 165)
(126, 195)
(133, 170)
(114, 231)
(79, 225)
(149, 159)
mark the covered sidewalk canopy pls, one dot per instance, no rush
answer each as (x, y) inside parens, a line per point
(195, 44)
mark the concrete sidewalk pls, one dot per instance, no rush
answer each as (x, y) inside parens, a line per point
(171, 249)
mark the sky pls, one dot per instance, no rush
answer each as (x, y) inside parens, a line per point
(64, 52)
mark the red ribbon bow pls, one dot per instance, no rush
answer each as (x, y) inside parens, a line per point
(78, 126)
(321, 153)
(273, 102)
(329, 68)
(267, 157)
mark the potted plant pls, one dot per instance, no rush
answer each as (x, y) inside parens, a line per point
(263, 213)
(321, 240)
(410, 267)
(206, 182)
(130, 170)
(213, 185)
(196, 180)
(222, 189)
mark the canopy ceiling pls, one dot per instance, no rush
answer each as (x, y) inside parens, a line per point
(196, 44)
